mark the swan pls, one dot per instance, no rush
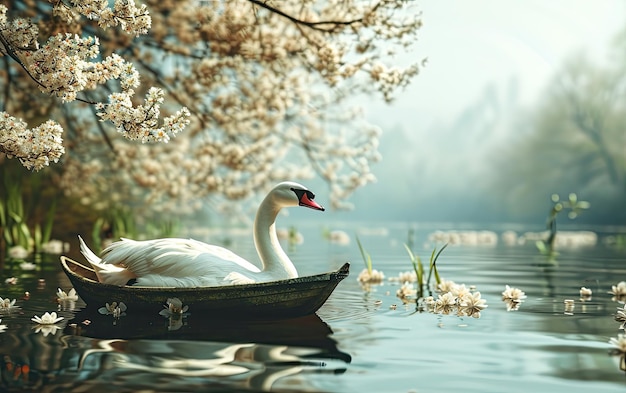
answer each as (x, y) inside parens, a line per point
(172, 262)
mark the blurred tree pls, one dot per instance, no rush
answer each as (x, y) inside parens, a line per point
(575, 143)
(261, 84)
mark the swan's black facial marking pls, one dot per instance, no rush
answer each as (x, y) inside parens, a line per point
(305, 198)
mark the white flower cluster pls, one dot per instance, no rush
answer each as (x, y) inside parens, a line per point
(130, 18)
(61, 67)
(64, 66)
(34, 147)
(452, 298)
(142, 122)
(266, 91)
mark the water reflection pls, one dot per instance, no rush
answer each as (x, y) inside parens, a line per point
(204, 351)
(142, 352)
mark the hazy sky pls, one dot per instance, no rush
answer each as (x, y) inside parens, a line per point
(472, 43)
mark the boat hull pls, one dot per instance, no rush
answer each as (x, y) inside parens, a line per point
(289, 298)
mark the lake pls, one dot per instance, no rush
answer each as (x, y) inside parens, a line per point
(364, 339)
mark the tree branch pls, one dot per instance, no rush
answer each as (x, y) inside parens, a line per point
(334, 24)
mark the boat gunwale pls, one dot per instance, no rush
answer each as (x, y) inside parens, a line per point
(336, 275)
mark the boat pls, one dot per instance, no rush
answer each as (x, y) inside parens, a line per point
(289, 298)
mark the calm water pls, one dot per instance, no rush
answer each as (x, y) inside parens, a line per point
(360, 341)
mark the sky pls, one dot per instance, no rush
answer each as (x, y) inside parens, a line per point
(470, 44)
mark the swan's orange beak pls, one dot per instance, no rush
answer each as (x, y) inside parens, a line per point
(309, 202)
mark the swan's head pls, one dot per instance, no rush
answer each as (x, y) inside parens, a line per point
(294, 194)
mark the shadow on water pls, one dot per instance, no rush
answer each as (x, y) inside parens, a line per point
(96, 352)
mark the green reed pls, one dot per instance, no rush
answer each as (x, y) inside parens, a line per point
(418, 266)
(575, 207)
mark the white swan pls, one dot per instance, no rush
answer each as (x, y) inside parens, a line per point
(190, 263)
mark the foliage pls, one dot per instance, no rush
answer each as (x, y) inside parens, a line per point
(418, 267)
(19, 225)
(574, 206)
(121, 222)
(573, 138)
(367, 258)
(262, 85)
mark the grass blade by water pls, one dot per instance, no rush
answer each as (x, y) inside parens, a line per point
(433, 264)
(418, 267)
(367, 259)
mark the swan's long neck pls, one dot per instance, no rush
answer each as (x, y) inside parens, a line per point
(268, 247)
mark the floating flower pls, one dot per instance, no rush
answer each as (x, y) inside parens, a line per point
(47, 318)
(472, 304)
(513, 297)
(371, 276)
(65, 297)
(445, 303)
(619, 343)
(115, 309)
(18, 252)
(11, 280)
(6, 305)
(405, 277)
(2, 327)
(460, 291)
(173, 307)
(28, 266)
(406, 290)
(54, 247)
(585, 292)
(620, 316)
(446, 286)
(618, 291)
(513, 294)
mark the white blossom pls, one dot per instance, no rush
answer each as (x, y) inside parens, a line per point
(69, 296)
(47, 318)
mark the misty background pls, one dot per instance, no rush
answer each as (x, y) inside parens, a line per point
(486, 132)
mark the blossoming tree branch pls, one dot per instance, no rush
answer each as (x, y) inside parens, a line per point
(259, 88)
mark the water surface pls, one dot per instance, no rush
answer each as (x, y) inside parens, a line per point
(362, 340)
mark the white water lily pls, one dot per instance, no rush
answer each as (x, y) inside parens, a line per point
(7, 304)
(619, 289)
(27, 266)
(18, 252)
(2, 327)
(619, 343)
(47, 318)
(173, 307)
(115, 309)
(70, 296)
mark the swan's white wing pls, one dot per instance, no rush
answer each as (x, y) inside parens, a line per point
(163, 262)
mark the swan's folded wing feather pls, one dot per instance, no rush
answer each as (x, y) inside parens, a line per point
(175, 258)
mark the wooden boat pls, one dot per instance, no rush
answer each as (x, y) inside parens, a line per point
(289, 298)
